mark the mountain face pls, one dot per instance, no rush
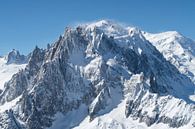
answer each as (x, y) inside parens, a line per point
(95, 76)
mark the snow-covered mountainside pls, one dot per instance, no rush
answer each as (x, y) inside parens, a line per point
(9, 65)
(177, 49)
(98, 76)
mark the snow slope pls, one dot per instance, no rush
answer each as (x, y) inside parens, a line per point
(177, 49)
(7, 70)
(117, 120)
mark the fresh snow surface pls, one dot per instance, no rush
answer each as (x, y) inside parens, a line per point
(6, 71)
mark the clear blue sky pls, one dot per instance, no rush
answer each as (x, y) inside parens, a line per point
(26, 23)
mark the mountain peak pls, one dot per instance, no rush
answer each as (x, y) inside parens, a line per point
(15, 57)
(109, 27)
(102, 23)
(14, 51)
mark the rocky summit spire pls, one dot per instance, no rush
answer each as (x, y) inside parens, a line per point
(14, 57)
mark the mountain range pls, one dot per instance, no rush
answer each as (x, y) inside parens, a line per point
(101, 75)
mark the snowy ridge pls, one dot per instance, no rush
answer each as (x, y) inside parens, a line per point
(107, 74)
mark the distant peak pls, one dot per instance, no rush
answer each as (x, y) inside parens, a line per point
(15, 57)
(14, 51)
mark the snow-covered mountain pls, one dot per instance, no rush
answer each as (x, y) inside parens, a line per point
(9, 65)
(99, 75)
(177, 49)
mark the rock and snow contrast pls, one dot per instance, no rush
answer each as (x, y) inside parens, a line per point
(9, 65)
(104, 75)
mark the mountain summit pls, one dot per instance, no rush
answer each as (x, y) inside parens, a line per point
(98, 75)
(14, 57)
